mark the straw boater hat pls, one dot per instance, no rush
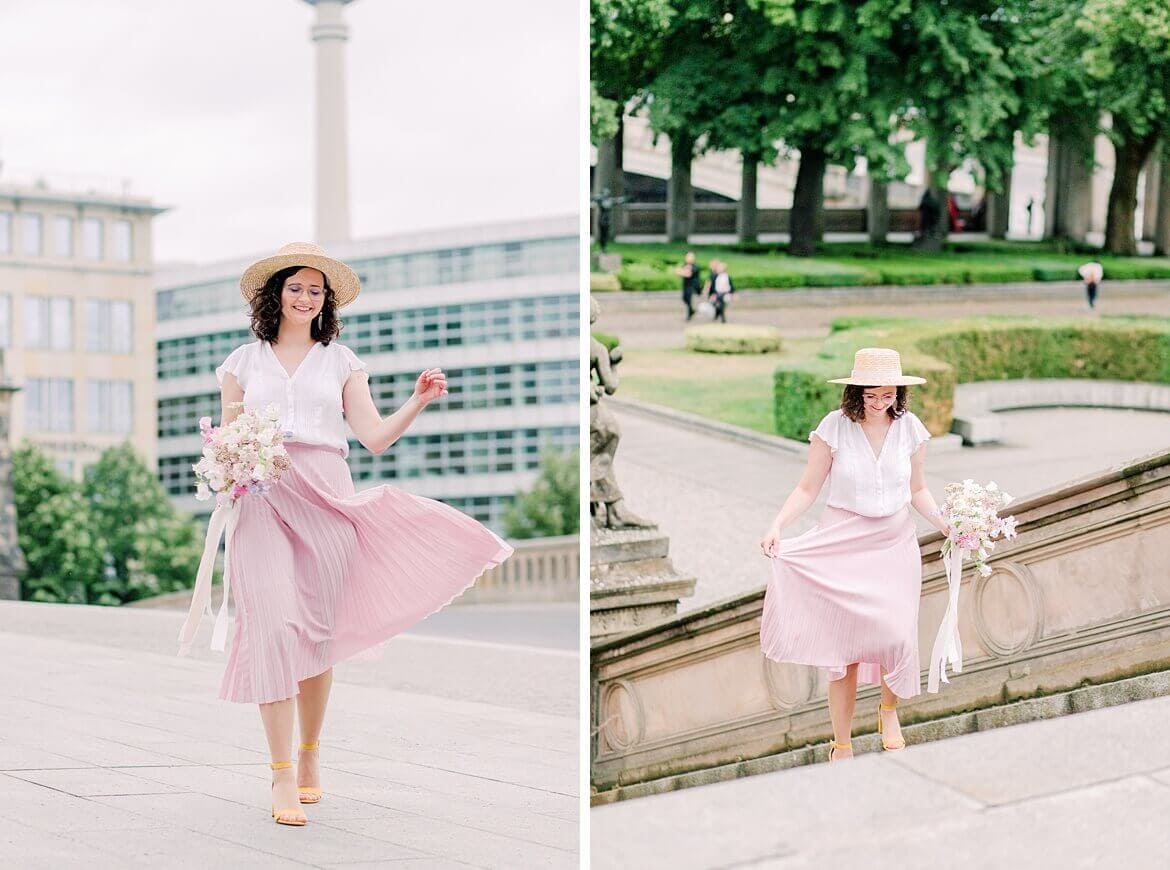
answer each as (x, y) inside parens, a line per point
(342, 279)
(878, 367)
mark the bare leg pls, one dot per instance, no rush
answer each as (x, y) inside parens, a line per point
(842, 700)
(891, 730)
(311, 704)
(278, 728)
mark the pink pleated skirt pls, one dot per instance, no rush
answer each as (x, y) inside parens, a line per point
(847, 591)
(321, 573)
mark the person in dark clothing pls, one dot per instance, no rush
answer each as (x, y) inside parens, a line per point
(692, 282)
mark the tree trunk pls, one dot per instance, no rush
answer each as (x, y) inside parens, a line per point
(679, 193)
(1150, 197)
(608, 175)
(748, 217)
(1162, 224)
(999, 208)
(1119, 219)
(1068, 187)
(806, 224)
(877, 211)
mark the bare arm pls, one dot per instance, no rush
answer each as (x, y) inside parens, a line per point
(920, 497)
(816, 471)
(229, 393)
(374, 432)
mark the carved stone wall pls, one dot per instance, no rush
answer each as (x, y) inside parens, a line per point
(1083, 593)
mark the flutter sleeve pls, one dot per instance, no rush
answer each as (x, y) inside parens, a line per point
(236, 364)
(918, 432)
(829, 430)
(350, 363)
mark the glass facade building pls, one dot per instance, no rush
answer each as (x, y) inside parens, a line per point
(496, 307)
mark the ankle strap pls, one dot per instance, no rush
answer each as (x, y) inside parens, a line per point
(280, 765)
(308, 747)
(837, 745)
(888, 706)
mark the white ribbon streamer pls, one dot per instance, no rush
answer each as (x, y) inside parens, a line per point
(948, 649)
(223, 517)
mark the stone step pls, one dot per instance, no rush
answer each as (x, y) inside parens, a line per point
(1091, 697)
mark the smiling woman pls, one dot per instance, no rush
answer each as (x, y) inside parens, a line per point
(321, 573)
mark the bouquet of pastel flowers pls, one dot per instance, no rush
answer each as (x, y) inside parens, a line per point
(247, 455)
(972, 512)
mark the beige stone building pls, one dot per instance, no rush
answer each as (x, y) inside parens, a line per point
(77, 314)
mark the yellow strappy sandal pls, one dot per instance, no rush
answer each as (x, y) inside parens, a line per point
(309, 794)
(889, 747)
(833, 744)
(276, 813)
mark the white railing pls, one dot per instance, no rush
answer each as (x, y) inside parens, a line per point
(541, 569)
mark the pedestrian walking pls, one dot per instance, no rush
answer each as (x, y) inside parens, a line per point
(692, 281)
(844, 595)
(1091, 274)
(721, 288)
(318, 571)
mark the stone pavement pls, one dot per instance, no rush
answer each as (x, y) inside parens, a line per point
(714, 496)
(1089, 790)
(114, 752)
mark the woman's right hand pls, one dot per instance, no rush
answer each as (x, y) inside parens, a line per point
(770, 543)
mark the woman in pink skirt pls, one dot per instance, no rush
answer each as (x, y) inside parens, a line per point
(844, 595)
(321, 572)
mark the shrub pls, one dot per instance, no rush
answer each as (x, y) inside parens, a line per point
(720, 338)
(604, 282)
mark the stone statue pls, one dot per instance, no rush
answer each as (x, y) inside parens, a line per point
(606, 503)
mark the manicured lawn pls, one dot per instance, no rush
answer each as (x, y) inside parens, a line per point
(733, 388)
(650, 266)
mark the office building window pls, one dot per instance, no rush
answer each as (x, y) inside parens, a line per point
(110, 407)
(5, 232)
(48, 404)
(63, 236)
(5, 320)
(123, 241)
(48, 323)
(91, 237)
(31, 243)
(65, 466)
(109, 326)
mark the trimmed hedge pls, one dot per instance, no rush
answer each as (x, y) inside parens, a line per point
(947, 354)
(604, 282)
(719, 338)
(651, 266)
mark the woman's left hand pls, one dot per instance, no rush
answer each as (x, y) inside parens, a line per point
(430, 385)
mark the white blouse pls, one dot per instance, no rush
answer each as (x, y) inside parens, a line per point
(309, 401)
(873, 486)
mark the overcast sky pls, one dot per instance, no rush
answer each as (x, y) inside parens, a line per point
(460, 111)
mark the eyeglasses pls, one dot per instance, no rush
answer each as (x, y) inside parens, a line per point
(878, 400)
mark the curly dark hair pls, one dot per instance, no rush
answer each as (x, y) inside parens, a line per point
(266, 310)
(853, 405)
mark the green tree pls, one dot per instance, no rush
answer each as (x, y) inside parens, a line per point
(54, 527)
(132, 513)
(1125, 54)
(552, 506)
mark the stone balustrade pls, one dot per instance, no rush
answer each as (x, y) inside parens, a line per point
(1081, 595)
(541, 569)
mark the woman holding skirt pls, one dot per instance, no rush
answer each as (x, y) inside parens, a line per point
(844, 595)
(321, 572)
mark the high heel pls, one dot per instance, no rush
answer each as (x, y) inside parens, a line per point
(310, 794)
(277, 813)
(835, 745)
(889, 747)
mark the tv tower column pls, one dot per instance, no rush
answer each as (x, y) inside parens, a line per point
(330, 33)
